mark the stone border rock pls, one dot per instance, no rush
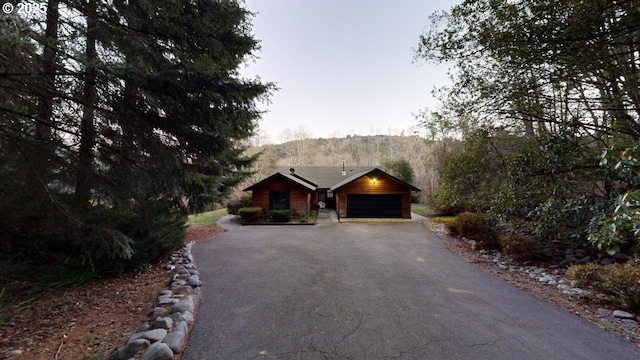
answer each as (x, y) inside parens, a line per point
(616, 321)
(557, 277)
(165, 334)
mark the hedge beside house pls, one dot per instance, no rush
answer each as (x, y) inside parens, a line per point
(281, 215)
(251, 214)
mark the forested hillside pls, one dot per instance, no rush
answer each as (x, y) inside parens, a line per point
(383, 150)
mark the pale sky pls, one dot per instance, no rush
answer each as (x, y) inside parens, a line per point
(344, 67)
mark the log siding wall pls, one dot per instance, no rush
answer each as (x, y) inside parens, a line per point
(299, 196)
(365, 185)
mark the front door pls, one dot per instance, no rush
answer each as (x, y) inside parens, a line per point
(322, 196)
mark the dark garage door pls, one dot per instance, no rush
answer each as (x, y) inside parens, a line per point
(374, 206)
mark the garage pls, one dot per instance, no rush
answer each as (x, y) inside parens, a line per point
(373, 194)
(356, 192)
(374, 206)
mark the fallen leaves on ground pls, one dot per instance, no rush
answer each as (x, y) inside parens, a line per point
(87, 321)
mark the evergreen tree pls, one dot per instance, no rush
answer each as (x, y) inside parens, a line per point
(401, 169)
(140, 119)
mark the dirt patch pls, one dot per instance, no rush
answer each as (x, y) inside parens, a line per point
(90, 320)
(197, 233)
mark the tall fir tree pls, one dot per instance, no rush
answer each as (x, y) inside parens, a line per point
(140, 120)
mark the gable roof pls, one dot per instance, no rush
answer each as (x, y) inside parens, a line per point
(357, 176)
(324, 176)
(296, 179)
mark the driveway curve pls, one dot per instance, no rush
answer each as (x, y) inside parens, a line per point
(371, 291)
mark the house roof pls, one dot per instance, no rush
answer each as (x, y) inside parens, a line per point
(358, 175)
(296, 179)
(324, 176)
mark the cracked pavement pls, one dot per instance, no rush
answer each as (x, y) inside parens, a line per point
(371, 291)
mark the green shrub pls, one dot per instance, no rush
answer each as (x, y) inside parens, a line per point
(452, 227)
(585, 274)
(620, 281)
(623, 281)
(232, 209)
(521, 248)
(73, 273)
(308, 217)
(251, 214)
(281, 215)
(136, 238)
(468, 180)
(234, 206)
(451, 210)
(476, 227)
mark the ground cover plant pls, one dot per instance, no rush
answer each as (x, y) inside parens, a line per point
(620, 283)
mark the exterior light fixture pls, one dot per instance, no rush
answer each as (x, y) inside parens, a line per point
(374, 180)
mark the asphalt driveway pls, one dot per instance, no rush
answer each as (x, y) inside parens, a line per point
(371, 291)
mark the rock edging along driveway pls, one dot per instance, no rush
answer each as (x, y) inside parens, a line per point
(165, 333)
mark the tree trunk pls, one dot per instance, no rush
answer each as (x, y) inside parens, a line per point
(43, 125)
(528, 126)
(87, 126)
(42, 153)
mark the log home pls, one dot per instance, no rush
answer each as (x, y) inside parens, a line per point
(354, 192)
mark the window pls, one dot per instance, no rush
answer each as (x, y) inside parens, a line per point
(278, 199)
